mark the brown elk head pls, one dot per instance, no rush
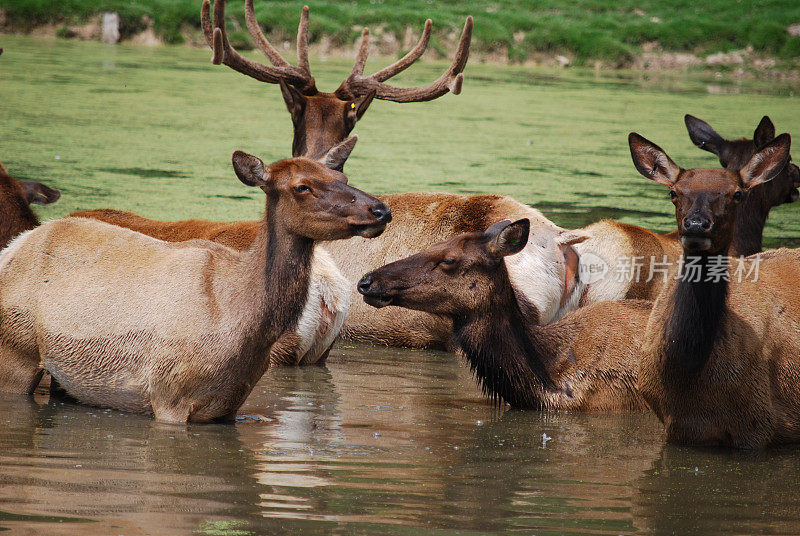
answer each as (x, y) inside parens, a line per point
(322, 120)
(459, 276)
(734, 154)
(311, 198)
(706, 200)
(15, 198)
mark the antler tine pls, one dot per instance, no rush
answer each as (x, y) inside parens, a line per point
(225, 53)
(361, 56)
(258, 36)
(406, 61)
(451, 80)
(302, 42)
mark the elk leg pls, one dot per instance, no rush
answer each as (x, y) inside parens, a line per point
(18, 373)
(284, 350)
(324, 357)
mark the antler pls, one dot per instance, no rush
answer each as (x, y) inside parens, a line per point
(300, 76)
(451, 80)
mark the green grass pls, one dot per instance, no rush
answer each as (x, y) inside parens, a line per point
(587, 29)
(152, 130)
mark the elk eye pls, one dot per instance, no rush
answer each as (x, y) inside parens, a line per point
(447, 262)
(673, 195)
(737, 195)
(302, 188)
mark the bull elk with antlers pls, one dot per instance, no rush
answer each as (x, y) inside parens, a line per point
(321, 120)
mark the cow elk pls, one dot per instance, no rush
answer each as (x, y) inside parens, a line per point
(733, 155)
(614, 242)
(719, 364)
(122, 320)
(585, 362)
(16, 215)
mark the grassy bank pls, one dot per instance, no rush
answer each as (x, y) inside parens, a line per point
(608, 30)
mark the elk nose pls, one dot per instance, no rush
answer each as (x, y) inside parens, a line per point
(696, 224)
(381, 212)
(364, 284)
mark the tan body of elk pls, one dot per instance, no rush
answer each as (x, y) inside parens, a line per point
(548, 255)
(16, 215)
(720, 365)
(126, 321)
(585, 362)
(611, 240)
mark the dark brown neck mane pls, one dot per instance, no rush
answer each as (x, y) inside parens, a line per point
(698, 310)
(285, 259)
(509, 358)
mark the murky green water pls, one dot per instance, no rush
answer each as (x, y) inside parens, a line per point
(379, 441)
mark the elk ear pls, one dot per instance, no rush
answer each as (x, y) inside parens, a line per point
(651, 161)
(36, 192)
(295, 101)
(765, 132)
(767, 163)
(508, 238)
(572, 237)
(250, 169)
(704, 136)
(338, 154)
(357, 108)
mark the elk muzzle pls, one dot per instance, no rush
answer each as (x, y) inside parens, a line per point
(373, 294)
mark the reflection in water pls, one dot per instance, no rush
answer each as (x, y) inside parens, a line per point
(382, 441)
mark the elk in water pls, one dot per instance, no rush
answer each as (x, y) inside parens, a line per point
(123, 320)
(719, 363)
(585, 362)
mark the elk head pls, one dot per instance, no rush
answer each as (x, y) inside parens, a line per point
(734, 154)
(706, 200)
(322, 120)
(311, 198)
(458, 276)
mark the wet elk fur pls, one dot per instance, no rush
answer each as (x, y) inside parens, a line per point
(585, 362)
(126, 321)
(720, 364)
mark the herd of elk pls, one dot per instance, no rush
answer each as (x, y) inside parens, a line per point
(718, 361)
(195, 311)
(183, 328)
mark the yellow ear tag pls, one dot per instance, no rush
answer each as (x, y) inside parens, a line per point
(353, 105)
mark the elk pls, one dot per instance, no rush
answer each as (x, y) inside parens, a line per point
(16, 196)
(322, 120)
(611, 240)
(733, 155)
(585, 362)
(719, 365)
(182, 328)
(329, 291)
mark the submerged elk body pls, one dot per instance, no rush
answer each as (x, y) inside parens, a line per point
(126, 321)
(719, 364)
(585, 362)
